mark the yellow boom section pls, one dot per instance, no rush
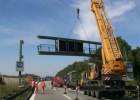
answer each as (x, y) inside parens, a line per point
(111, 54)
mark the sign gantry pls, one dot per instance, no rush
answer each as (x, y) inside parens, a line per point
(67, 47)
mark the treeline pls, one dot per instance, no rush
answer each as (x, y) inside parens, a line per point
(79, 67)
(128, 53)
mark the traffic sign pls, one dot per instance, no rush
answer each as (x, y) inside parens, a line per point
(19, 66)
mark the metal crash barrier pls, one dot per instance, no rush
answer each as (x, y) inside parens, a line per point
(20, 93)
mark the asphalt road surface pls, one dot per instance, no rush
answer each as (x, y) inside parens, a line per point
(58, 94)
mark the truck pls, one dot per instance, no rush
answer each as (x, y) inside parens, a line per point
(57, 81)
(112, 73)
(72, 79)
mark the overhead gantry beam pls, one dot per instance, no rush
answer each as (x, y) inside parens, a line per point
(68, 47)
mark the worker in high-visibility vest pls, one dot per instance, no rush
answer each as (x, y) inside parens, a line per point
(36, 87)
(52, 84)
(33, 85)
(43, 85)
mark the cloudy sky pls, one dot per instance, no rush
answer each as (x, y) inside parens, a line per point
(25, 19)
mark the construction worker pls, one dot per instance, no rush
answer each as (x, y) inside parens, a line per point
(52, 84)
(43, 85)
(33, 85)
(36, 87)
(77, 89)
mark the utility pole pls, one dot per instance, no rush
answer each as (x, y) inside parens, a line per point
(20, 62)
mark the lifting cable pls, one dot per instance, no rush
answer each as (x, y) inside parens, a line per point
(71, 29)
(81, 24)
(76, 21)
(73, 26)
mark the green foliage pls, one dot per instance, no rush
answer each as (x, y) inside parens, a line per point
(136, 55)
(79, 67)
(133, 55)
(125, 49)
(7, 89)
(123, 44)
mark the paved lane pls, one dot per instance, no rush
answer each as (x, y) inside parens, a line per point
(58, 94)
(51, 95)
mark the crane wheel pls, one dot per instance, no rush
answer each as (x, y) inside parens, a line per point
(98, 95)
(93, 94)
(89, 93)
(85, 92)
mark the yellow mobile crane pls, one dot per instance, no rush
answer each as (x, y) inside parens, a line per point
(113, 69)
(111, 55)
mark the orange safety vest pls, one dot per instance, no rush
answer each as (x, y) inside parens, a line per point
(43, 84)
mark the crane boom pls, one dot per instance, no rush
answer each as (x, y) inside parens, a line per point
(111, 55)
(109, 81)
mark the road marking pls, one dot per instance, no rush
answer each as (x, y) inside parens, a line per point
(67, 97)
(54, 89)
(32, 97)
(73, 91)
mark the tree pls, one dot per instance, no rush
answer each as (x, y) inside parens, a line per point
(125, 49)
(136, 54)
(79, 67)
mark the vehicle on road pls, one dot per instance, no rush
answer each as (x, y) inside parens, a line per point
(57, 81)
(72, 80)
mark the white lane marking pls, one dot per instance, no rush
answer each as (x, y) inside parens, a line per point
(54, 89)
(32, 97)
(67, 97)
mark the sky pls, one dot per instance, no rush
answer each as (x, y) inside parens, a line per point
(26, 19)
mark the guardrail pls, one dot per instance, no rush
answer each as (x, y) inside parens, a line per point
(16, 95)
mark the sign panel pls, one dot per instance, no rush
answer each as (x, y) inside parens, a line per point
(62, 45)
(19, 66)
(129, 67)
(70, 46)
(130, 74)
(79, 47)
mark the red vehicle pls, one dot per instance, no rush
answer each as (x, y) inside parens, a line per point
(57, 81)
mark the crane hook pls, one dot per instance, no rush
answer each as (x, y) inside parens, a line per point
(78, 12)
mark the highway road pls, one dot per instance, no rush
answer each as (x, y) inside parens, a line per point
(58, 94)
